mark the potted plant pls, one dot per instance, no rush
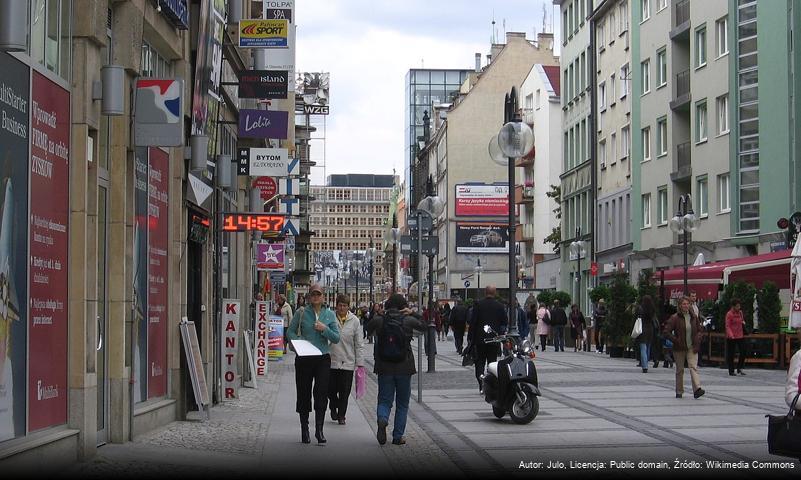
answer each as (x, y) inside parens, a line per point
(620, 319)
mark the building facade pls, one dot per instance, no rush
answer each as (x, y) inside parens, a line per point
(349, 217)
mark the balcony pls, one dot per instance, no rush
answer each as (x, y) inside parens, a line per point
(681, 93)
(524, 233)
(683, 169)
(524, 194)
(681, 21)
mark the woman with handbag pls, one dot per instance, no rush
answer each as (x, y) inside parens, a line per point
(577, 323)
(317, 325)
(647, 316)
(347, 356)
(543, 324)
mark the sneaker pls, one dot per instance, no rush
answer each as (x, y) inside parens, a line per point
(741, 372)
(381, 434)
(399, 441)
(334, 415)
(678, 395)
(341, 420)
(732, 374)
(698, 393)
(644, 370)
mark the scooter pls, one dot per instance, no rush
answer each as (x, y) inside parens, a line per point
(510, 384)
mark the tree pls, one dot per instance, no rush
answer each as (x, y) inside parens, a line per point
(646, 286)
(770, 308)
(563, 297)
(544, 297)
(745, 292)
(620, 319)
(555, 237)
(599, 292)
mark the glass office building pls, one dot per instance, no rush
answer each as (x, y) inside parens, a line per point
(423, 89)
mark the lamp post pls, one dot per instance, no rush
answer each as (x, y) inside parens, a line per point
(433, 206)
(685, 222)
(515, 139)
(478, 269)
(346, 275)
(370, 258)
(578, 248)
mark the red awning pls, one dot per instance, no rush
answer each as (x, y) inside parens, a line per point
(757, 269)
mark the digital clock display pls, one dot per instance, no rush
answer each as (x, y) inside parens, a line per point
(246, 222)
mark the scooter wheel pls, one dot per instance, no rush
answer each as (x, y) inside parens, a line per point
(525, 412)
(498, 412)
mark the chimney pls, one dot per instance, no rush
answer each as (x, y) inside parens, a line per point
(545, 40)
(511, 35)
(478, 62)
(489, 58)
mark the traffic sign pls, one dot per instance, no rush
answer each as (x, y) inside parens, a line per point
(467, 284)
(594, 269)
(430, 245)
(426, 221)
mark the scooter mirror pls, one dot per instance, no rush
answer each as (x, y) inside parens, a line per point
(487, 329)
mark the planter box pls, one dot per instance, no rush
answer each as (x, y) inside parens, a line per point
(761, 349)
(791, 345)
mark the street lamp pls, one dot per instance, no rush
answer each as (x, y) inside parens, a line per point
(478, 269)
(578, 248)
(371, 259)
(433, 206)
(358, 273)
(346, 275)
(685, 222)
(515, 140)
(393, 235)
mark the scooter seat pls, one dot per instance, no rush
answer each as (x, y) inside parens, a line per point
(493, 368)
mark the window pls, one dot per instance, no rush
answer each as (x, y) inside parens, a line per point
(700, 122)
(601, 36)
(703, 197)
(602, 154)
(723, 114)
(50, 35)
(645, 8)
(613, 148)
(625, 142)
(662, 206)
(625, 81)
(645, 68)
(602, 96)
(583, 72)
(722, 36)
(723, 194)
(646, 210)
(570, 19)
(564, 25)
(700, 47)
(538, 102)
(612, 26)
(661, 72)
(661, 137)
(663, 4)
(624, 16)
(612, 90)
(646, 144)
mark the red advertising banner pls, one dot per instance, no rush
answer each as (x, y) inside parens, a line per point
(49, 241)
(158, 244)
(482, 200)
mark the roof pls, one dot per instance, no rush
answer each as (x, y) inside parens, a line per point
(552, 72)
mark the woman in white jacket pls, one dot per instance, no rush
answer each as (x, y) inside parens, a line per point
(793, 385)
(346, 356)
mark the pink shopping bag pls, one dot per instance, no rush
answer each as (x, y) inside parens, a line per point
(361, 378)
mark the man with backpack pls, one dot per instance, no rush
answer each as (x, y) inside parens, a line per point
(491, 312)
(394, 364)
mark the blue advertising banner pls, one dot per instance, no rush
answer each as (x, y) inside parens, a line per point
(263, 124)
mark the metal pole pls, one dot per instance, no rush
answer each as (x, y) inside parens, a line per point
(419, 263)
(686, 290)
(419, 369)
(432, 348)
(511, 114)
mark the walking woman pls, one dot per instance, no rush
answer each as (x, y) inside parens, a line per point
(543, 324)
(317, 325)
(735, 321)
(577, 323)
(650, 326)
(346, 356)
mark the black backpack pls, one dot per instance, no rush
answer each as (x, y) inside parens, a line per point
(392, 344)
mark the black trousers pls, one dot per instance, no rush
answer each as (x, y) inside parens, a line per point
(543, 341)
(312, 370)
(458, 337)
(485, 354)
(598, 338)
(339, 386)
(730, 344)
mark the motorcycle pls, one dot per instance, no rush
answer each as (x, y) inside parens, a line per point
(510, 384)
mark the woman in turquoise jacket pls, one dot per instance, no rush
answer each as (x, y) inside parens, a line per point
(317, 325)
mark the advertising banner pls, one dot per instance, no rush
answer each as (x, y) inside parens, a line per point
(264, 84)
(263, 124)
(208, 65)
(266, 186)
(140, 273)
(276, 338)
(14, 135)
(482, 238)
(230, 339)
(264, 33)
(315, 90)
(262, 332)
(49, 242)
(282, 58)
(270, 256)
(158, 120)
(482, 200)
(265, 162)
(157, 247)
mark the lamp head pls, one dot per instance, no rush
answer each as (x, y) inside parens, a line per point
(516, 139)
(676, 224)
(495, 152)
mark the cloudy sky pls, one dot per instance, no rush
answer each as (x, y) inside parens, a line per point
(368, 46)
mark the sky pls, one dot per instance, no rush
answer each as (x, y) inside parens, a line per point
(368, 46)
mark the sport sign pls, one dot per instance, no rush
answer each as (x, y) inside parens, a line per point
(263, 33)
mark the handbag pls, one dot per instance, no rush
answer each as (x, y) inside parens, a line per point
(637, 330)
(361, 378)
(784, 431)
(469, 357)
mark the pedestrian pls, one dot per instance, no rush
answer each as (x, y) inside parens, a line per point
(577, 324)
(531, 313)
(301, 302)
(558, 322)
(285, 310)
(598, 320)
(646, 312)
(735, 321)
(522, 322)
(318, 326)
(346, 357)
(793, 385)
(684, 331)
(543, 325)
(487, 312)
(694, 304)
(394, 364)
(376, 311)
(446, 320)
(458, 321)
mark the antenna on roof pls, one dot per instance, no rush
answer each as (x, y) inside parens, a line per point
(544, 18)
(494, 33)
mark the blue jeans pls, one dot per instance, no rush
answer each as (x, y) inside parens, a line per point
(645, 353)
(559, 338)
(399, 388)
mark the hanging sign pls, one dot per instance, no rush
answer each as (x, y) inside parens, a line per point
(266, 186)
(263, 124)
(270, 256)
(262, 332)
(230, 339)
(264, 33)
(276, 338)
(264, 162)
(264, 84)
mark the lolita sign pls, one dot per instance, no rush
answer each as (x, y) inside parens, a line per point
(264, 84)
(263, 124)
